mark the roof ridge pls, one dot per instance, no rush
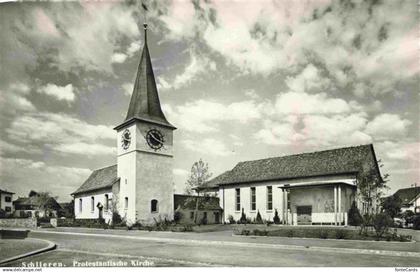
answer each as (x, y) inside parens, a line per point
(104, 167)
(304, 153)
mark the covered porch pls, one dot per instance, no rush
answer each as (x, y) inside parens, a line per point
(317, 203)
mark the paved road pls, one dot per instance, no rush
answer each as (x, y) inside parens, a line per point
(177, 249)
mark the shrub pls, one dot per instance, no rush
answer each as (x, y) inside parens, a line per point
(355, 219)
(276, 218)
(245, 232)
(268, 223)
(416, 222)
(258, 219)
(381, 223)
(289, 233)
(177, 216)
(231, 219)
(340, 234)
(116, 218)
(243, 219)
(323, 234)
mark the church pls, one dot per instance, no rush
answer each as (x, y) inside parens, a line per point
(308, 188)
(140, 186)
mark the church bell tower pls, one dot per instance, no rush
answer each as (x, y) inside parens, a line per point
(145, 152)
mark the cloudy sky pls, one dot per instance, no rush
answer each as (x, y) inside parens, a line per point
(241, 80)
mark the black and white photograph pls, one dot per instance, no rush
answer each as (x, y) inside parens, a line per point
(210, 134)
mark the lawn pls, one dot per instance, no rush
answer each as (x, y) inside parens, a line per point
(13, 247)
(317, 232)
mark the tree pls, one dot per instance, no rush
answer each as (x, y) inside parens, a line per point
(198, 176)
(46, 202)
(392, 205)
(355, 219)
(371, 186)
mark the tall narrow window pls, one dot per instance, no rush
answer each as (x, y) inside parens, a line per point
(80, 205)
(269, 198)
(154, 205)
(92, 204)
(106, 202)
(253, 199)
(126, 203)
(237, 199)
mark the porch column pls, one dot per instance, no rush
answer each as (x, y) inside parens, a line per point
(335, 205)
(339, 206)
(285, 205)
(282, 206)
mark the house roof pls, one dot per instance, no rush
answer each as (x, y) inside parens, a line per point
(328, 162)
(144, 103)
(407, 194)
(188, 202)
(99, 179)
(6, 192)
(33, 201)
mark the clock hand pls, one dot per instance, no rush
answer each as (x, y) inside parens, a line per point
(156, 139)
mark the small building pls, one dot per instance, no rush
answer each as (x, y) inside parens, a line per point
(94, 198)
(6, 201)
(410, 199)
(308, 188)
(197, 209)
(32, 206)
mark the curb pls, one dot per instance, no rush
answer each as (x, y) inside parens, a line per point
(327, 239)
(49, 247)
(247, 244)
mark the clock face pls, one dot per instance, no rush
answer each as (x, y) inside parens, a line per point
(125, 139)
(155, 139)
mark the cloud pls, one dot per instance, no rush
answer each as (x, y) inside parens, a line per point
(65, 93)
(118, 57)
(133, 48)
(61, 133)
(128, 88)
(208, 146)
(303, 103)
(309, 80)
(180, 172)
(388, 126)
(268, 36)
(13, 100)
(84, 37)
(23, 175)
(198, 65)
(88, 149)
(202, 116)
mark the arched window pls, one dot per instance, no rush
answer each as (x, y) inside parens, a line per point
(106, 202)
(154, 206)
(80, 205)
(92, 204)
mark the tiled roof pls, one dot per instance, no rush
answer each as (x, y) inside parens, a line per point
(144, 103)
(407, 194)
(99, 179)
(6, 192)
(33, 202)
(188, 202)
(328, 162)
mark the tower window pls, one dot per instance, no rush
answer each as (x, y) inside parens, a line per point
(80, 205)
(154, 205)
(92, 204)
(126, 203)
(237, 199)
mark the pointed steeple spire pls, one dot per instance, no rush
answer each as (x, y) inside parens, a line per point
(145, 103)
